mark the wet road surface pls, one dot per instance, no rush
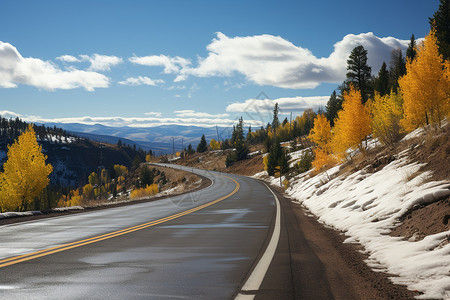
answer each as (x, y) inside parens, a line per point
(206, 253)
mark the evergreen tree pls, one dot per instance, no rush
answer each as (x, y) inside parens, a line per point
(411, 51)
(382, 81)
(249, 134)
(275, 120)
(202, 146)
(359, 73)
(239, 143)
(190, 150)
(441, 24)
(273, 157)
(397, 68)
(334, 105)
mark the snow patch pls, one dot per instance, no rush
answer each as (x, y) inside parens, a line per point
(367, 206)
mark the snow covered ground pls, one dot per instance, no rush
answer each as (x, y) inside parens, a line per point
(366, 207)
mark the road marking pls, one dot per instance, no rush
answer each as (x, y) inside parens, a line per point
(259, 272)
(21, 258)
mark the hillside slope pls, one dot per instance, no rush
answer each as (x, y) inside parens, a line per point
(393, 203)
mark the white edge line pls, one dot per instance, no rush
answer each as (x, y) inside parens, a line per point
(256, 277)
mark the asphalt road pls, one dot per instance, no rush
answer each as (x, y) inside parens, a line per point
(201, 245)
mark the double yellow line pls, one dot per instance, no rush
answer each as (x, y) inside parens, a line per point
(21, 258)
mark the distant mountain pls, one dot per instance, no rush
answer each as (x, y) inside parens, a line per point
(105, 138)
(159, 139)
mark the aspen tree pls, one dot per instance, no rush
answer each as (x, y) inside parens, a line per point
(25, 173)
(352, 124)
(425, 86)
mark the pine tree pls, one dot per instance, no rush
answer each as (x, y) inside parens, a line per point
(411, 52)
(273, 157)
(440, 22)
(239, 143)
(25, 173)
(359, 72)
(190, 150)
(397, 68)
(275, 120)
(382, 81)
(202, 146)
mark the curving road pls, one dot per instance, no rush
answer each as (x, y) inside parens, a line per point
(198, 245)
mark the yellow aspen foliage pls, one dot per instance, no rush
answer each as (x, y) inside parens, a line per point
(25, 173)
(215, 145)
(352, 124)
(266, 162)
(120, 170)
(386, 111)
(148, 158)
(88, 191)
(425, 86)
(93, 179)
(321, 132)
(322, 159)
(447, 91)
(149, 190)
(321, 135)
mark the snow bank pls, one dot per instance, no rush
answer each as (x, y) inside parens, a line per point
(19, 214)
(366, 206)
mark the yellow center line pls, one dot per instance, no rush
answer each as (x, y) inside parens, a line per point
(21, 258)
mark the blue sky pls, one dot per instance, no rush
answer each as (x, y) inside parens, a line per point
(144, 63)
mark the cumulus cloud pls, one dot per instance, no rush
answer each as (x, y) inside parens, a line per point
(15, 70)
(286, 105)
(97, 62)
(140, 80)
(272, 60)
(195, 114)
(150, 121)
(171, 64)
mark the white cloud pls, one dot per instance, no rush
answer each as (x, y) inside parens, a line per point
(153, 113)
(195, 114)
(102, 62)
(170, 64)
(68, 58)
(286, 105)
(272, 60)
(97, 62)
(15, 70)
(137, 121)
(140, 80)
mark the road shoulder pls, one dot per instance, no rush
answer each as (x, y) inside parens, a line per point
(312, 262)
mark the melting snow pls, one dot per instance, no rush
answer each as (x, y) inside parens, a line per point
(366, 206)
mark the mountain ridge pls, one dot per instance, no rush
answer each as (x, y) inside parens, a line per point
(160, 139)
